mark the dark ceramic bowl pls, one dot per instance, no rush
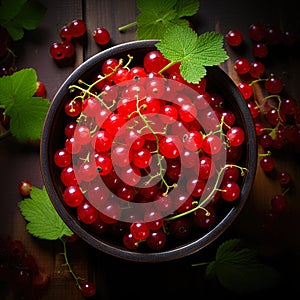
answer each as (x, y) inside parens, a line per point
(53, 138)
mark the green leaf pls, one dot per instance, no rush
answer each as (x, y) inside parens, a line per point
(193, 51)
(19, 15)
(14, 30)
(43, 220)
(27, 118)
(31, 15)
(27, 112)
(239, 270)
(157, 16)
(9, 9)
(185, 8)
(155, 7)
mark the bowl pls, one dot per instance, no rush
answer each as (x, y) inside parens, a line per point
(183, 241)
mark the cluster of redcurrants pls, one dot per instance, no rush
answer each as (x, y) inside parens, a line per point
(69, 32)
(19, 272)
(275, 113)
(153, 139)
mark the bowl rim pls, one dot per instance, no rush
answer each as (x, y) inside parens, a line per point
(164, 255)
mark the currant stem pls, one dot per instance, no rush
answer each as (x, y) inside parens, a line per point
(200, 264)
(257, 80)
(169, 65)
(68, 264)
(147, 125)
(127, 26)
(208, 198)
(268, 153)
(89, 93)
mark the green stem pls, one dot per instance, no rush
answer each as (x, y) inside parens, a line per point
(147, 125)
(127, 26)
(169, 65)
(208, 198)
(89, 93)
(200, 264)
(68, 264)
(257, 80)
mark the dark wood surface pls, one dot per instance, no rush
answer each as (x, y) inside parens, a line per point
(176, 279)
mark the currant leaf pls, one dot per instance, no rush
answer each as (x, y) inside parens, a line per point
(43, 220)
(27, 112)
(239, 270)
(19, 15)
(31, 15)
(156, 16)
(193, 51)
(186, 8)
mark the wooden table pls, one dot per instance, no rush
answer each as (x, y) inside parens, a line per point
(280, 245)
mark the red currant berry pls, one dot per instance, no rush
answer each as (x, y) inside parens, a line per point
(289, 106)
(234, 37)
(103, 163)
(230, 190)
(205, 218)
(68, 176)
(256, 32)
(139, 230)
(73, 195)
(274, 85)
(62, 158)
(168, 114)
(102, 141)
(154, 61)
(274, 35)
(69, 49)
(267, 163)
(212, 144)
(236, 136)
(180, 228)
(130, 242)
(57, 51)
(242, 66)
(260, 50)
(279, 203)
(257, 69)
(170, 146)
(109, 67)
(246, 90)
(101, 36)
(65, 34)
(207, 167)
(88, 289)
(86, 212)
(284, 177)
(73, 107)
(40, 89)
(77, 28)
(25, 188)
(193, 140)
(142, 158)
(156, 240)
(91, 106)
